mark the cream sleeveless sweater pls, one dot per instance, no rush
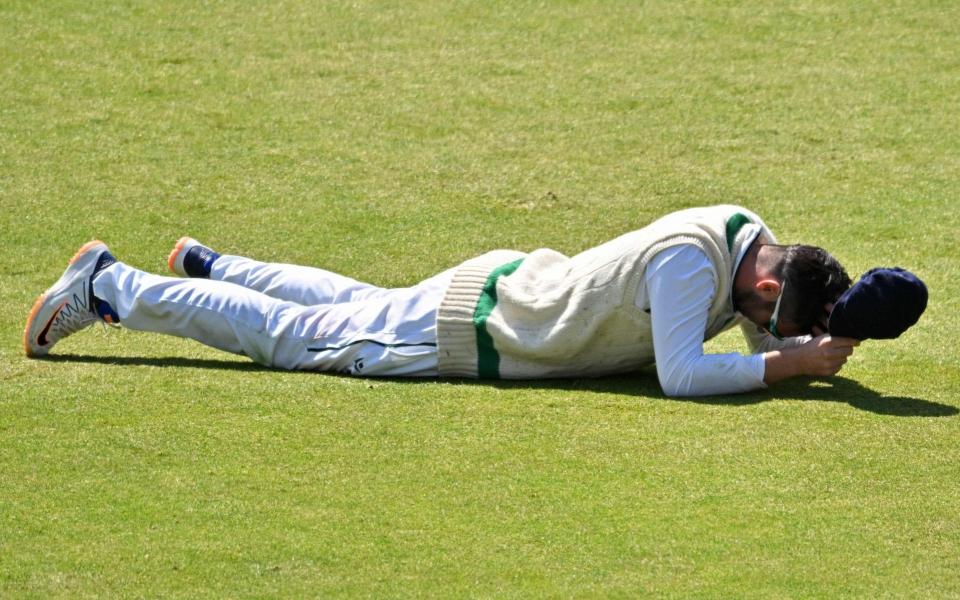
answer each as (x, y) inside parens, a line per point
(517, 316)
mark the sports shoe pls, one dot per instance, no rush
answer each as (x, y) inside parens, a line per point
(68, 306)
(190, 258)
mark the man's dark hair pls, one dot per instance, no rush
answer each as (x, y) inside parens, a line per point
(813, 278)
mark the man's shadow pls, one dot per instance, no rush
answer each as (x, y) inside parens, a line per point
(841, 389)
(834, 389)
(160, 361)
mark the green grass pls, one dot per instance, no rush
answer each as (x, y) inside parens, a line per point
(389, 140)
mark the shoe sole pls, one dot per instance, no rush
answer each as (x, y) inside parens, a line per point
(41, 301)
(182, 245)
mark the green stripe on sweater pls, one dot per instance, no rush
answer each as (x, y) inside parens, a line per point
(488, 359)
(734, 225)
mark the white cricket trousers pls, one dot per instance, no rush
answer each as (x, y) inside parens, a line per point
(286, 316)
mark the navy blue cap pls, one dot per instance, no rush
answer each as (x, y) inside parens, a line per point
(881, 306)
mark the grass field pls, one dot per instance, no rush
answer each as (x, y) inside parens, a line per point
(390, 140)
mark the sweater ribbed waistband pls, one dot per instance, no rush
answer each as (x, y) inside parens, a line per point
(456, 329)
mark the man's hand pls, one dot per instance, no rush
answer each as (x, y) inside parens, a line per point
(822, 356)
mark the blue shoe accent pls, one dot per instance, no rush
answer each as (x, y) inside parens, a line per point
(190, 258)
(105, 311)
(106, 259)
(198, 261)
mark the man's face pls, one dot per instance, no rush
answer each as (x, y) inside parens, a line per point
(760, 311)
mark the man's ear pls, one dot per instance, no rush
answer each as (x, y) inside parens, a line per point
(768, 288)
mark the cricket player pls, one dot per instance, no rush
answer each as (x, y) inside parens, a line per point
(651, 296)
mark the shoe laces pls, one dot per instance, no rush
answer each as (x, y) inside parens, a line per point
(74, 316)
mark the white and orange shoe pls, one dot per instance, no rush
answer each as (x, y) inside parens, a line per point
(67, 307)
(190, 258)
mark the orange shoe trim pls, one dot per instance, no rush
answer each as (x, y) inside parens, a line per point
(83, 249)
(176, 250)
(30, 318)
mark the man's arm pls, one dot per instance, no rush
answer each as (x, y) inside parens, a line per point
(760, 341)
(822, 356)
(680, 286)
(817, 356)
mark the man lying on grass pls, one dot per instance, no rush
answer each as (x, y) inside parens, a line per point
(649, 296)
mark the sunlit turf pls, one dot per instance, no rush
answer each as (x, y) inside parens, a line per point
(390, 140)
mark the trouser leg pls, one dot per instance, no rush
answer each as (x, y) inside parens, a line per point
(303, 285)
(390, 335)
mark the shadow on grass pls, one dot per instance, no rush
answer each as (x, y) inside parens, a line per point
(840, 389)
(160, 361)
(835, 389)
